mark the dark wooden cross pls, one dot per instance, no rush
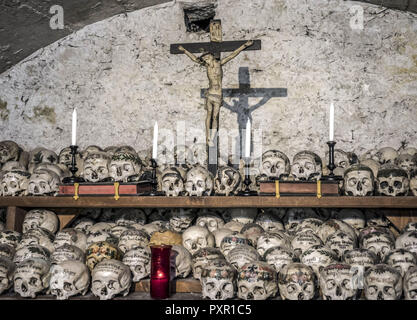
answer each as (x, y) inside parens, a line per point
(215, 47)
(241, 105)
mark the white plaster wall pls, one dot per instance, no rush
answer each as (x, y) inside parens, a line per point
(121, 77)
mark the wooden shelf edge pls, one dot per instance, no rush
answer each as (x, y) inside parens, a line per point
(210, 202)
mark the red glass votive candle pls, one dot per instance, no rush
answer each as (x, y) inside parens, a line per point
(160, 269)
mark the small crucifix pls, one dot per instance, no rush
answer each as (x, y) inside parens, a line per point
(211, 59)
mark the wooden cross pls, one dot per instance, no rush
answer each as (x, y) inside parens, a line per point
(211, 59)
(241, 105)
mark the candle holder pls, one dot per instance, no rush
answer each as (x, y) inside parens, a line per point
(331, 176)
(154, 181)
(160, 271)
(246, 192)
(73, 179)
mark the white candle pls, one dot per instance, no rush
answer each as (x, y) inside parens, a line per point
(331, 122)
(74, 127)
(155, 141)
(247, 143)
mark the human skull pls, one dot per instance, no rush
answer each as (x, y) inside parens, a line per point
(306, 166)
(374, 218)
(297, 281)
(196, 237)
(67, 252)
(243, 215)
(117, 231)
(360, 257)
(411, 226)
(7, 251)
(219, 234)
(100, 227)
(180, 219)
(227, 182)
(252, 231)
(295, 216)
(130, 216)
(72, 237)
(41, 155)
(33, 251)
(7, 269)
(303, 241)
(234, 226)
(217, 280)
(210, 221)
(166, 237)
(83, 224)
(40, 218)
(9, 151)
(358, 181)
(124, 163)
(336, 282)
(43, 182)
(231, 241)
(275, 164)
(133, 238)
(309, 224)
(408, 241)
(202, 257)
(269, 221)
(378, 242)
(110, 278)
(392, 181)
(413, 182)
(242, 254)
(257, 281)
(407, 150)
(279, 257)
(406, 162)
(272, 239)
(354, 217)
(138, 260)
(199, 182)
(31, 277)
(96, 166)
(331, 226)
(340, 242)
(382, 282)
(181, 262)
(69, 278)
(386, 155)
(39, 236)
(65, 158)
(318, 256)
(372, 164)
(99, 236)
(172, 182)
(11, 238)
(100, 251)
(401, 259)
(410, 284)
(14, 183)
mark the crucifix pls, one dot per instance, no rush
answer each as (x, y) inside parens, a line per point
(241, 107)
(211, 59)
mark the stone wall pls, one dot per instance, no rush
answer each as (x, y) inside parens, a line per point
(121, 77)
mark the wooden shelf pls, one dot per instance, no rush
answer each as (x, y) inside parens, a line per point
(210, 202)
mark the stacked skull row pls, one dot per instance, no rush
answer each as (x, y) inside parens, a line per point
(384, 172)
(294, 253)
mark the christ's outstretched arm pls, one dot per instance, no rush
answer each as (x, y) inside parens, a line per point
(190, 55)
(236, 52)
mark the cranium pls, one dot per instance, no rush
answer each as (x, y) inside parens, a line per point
(243, 215)
(110, 278)
(11, 238)
(124, 163)
(279, 257)
(309, 224)
(117, 231)
(318, 256)
(340, 242)
(72, 237)
(33, 251)
(41, 155)
(228, 181)
(166, 237)
(138, 260)
(31, 277)
(69, 278)
(358, 181)
(303, 241)
(401, 259)
(7, 269)
(7, 251)
(378, 242)
(336, 282)
(275, 164)
(372, 164)
(386, 155)
(210, 220)
(130, 216)
(219, 234)
(257, 281)
(374, 218)
(234, 226)
(202, 257)
(90, 149)
(406, 162)
(407, 150)
(252, 231)
(231, 241)
(196, 237)
(410, 284)
(382, 282)
(172, 182)
(181, 263)
(41, 218)
(360, 257)
(9, 151)
(354, 217)
(96, 167)
(294, 216)
(99, 236)
(297, 281)
(217, 280)
(242, 254)
(100, 251)
(43, 182)
(272, 239)
(331, 226)
(67, 252)
(65, 158)
(269, 221)
(100, 227)
(392, 181)
(408, 241)
(199, 182)
(14, 183)
(133, 238)
(39, 236)
(306, 166)
(180, 219)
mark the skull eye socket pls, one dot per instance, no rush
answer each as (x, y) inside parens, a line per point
(243, 289)
(346, 284)
(412, 294)
(112, 284)
(366, 182)
(227, 287)
(33, 281)
(291, 288)
(343, 163)
(67, 286)
(259, 291)
(308, 287)
(267, 165)
(372, 290)
(398, 184)
(389, 290)
(352, 182)
(330, 284)
(309, 166)
(210, 286)
(384, 185)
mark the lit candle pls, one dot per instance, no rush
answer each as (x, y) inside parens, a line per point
(160, 271)
(74, 127)
(155, 141)
(247, 143)
(331, 122)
